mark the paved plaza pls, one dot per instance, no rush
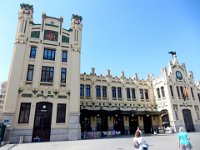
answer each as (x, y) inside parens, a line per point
(156, 142)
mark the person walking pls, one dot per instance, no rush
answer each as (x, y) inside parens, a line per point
(138, 141)
(184, 140)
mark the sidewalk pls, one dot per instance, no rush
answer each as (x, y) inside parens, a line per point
(7, 147)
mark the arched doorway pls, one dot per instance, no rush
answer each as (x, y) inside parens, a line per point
(188, 120)
(147, 123)
(165, 118)
(85, 120)
(119, 123)
(42, 122)
(102, 121)
(133, 123)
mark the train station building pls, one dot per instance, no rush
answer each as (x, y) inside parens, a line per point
(48, 99)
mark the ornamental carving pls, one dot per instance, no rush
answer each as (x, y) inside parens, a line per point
(26, 8)
(76, 19)
(50, 35)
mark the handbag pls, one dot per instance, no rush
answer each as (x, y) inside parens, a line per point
(144, 146)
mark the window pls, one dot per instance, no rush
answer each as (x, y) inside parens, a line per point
(181, 88)
(49, 54)
(128, 94)
(146, 94)
(24, 113)
(104, 88)
(176, 114)
(198, 96)
(198, 117)
(65, 39)
(50, 35)
(141, 94)
(158, 92)
(177, 88)
(47, 74)
(119, 92)
(163, 91)
(176, 111)
(61, 113)
(98, 91)
(82, 90)
(87, 90)
(33, 52)
(63, 75)
(29, 76)
(35, 34)
(192, 92)
(64, 56)
(133, 93)
(114, 92)
(197, 112)
(171, 89)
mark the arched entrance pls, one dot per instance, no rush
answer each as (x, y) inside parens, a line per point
(119, 123)
(85, 120)
(188, 120)
(42, 122)
(165, 118)
(133, 123)
(147, 123)
(102, 121)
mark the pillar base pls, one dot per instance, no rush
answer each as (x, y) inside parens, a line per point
(74, 127)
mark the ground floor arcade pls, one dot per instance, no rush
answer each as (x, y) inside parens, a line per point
(118, 122)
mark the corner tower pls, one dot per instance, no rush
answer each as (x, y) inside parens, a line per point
(16, 68)
(42, 98)
(76, 41)
(177, 96)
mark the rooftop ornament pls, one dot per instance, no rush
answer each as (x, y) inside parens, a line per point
(76, 19)
(26, 7)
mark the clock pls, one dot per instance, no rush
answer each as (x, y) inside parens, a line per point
(179, 75)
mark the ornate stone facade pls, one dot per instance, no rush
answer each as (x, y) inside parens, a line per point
(42, 102)
(47, 99)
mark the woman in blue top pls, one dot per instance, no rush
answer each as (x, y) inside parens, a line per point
(184, 139)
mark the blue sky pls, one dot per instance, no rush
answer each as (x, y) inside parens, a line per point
(130, 35)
